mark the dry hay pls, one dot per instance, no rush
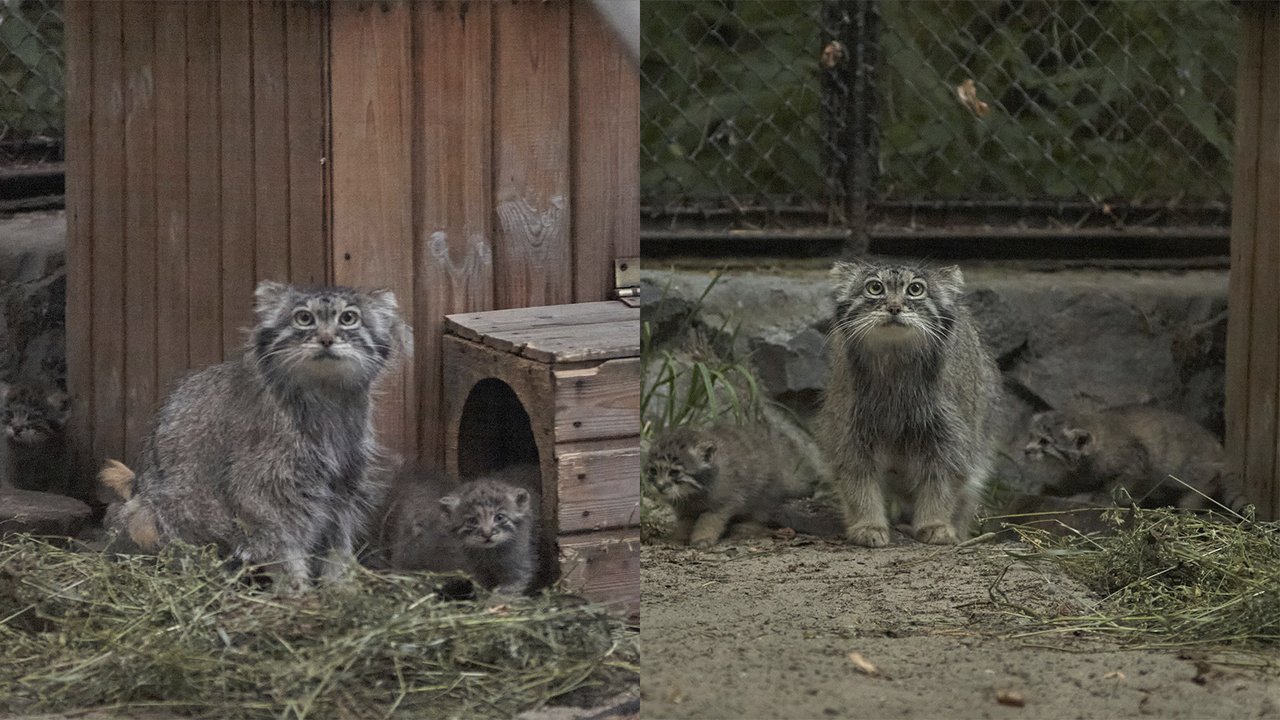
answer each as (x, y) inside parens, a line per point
(182, 634)
(1167, 577)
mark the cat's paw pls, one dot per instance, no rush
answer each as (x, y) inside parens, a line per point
(869, 535)
(939, 534)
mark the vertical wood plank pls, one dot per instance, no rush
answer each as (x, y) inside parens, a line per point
(140, 221)
(606, 154)
(270, 144)
(108, 232)
(1264, 364)
(1243, 218)
(204, 199)
(532, 254)
(171, 192)
(372, 178)
(307, 109)
(78, 23)
(453, 235)
(238, 215)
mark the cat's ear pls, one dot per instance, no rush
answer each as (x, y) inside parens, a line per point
(449, 503)
(521, 496)
(1079, 437)
(384, 300)
(383, 303)
(706, 450)
(950, 275)
(849, 269)
(59, 401)
(268, 297)
(847, 277)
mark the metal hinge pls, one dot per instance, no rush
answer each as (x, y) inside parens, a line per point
(626, 280)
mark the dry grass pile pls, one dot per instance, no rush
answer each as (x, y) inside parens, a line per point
(181, 633)
(1170, 578)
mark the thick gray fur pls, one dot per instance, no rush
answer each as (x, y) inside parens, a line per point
(487, 527)
(726, 473)
(909, 408)
(34, 454)
(269, 455)
(1139, 448)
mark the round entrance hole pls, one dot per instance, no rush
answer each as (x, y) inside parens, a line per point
(494, 430)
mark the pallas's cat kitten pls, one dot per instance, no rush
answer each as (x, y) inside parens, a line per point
(715, 476)
(34, 418)
(487, 527)
(1139, 448)
(908, 410)
(269, 455)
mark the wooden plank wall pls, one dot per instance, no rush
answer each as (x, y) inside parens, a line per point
(468, 155)
(488, 158)
(1253, 337)
(195, 147)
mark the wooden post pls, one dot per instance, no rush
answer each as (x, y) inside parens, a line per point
(1253, 338)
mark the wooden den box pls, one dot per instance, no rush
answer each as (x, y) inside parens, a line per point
(559, 386)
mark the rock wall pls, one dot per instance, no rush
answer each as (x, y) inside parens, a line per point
(1067, 339)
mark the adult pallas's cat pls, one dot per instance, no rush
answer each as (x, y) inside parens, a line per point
(269, 455)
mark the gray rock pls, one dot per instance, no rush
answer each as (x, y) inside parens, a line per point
(34, 244)
(38, 513)
(1002, 323)
(791, 366)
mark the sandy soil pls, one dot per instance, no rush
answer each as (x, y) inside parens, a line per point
(765, 628)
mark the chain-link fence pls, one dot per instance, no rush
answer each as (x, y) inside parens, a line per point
(32, 82)
(780, 113)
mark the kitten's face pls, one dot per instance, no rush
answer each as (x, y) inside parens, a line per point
(893, 305)
(681, 468)
(326, 335)
(1053, 436)
(486, 515)
(31, 417)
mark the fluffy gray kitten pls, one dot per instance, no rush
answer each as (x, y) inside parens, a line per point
(269, 455)
(487, 527)
(1138, 448)
(908, 410)
(34, 418)
(715, 476)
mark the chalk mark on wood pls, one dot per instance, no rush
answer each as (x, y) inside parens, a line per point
(534, 227)
(477, 257)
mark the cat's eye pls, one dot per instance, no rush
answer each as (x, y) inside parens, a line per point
(499, 517)
(349, 319)
(304, 318)
(874, 288)
(471, 522)
(915, 289)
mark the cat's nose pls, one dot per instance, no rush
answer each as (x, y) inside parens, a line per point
(894, 309)
(325, 340)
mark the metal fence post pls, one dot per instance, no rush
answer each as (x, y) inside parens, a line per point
(849, 59)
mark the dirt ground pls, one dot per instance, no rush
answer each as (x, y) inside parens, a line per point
(765, 628)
